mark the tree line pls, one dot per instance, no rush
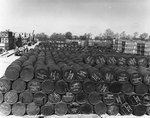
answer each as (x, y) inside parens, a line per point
(107, 35)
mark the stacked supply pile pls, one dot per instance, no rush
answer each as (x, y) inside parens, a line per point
(72, 80)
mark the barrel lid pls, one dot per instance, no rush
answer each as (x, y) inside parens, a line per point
(68, 97)
(75, 86)
(32, 109)
(81, 97)
(126, 109)
(102, 88)
(94, 98)
(134, 99)
(11, 97)
(122, 77)
(120, 98)
(132, 61)
(55, 75)
(47, 109)
(5, 85)
(127, 88)
(111, 60)
(61, 108)
(146, 99)
(146, 79)
(86, 108)
(100, 108)
(81, 75)
(5, 109)
(26, 97)
(136, 78)
(121, 61)
(141, 89)
(69, 75)
(112, 109)
(34, 86)
(115, 87)
(18, 109)
(74, 108)
(109, 98)
(54, 98)
(142, 61)
(47, 86)
(139, 110)
(61, 87)
(39, 98)
(19, 85)
(89, 86)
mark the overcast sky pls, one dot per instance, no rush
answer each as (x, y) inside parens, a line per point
(77, 16)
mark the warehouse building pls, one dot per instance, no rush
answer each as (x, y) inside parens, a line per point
(134, 46)
(7, 40)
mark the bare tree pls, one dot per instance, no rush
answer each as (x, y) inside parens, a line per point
(123, 34)
(109, 34)
(144, 36)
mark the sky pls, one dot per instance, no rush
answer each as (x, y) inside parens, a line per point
(76, 16)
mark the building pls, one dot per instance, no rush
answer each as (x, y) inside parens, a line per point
(7, 40)
(132, 46)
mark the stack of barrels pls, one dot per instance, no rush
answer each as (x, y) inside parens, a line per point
(72, 80)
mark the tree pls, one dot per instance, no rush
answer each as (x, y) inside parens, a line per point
(116, 35)
(135, 34)
(109, 34)
(41, 36)
(68, 35)
(144, 36)
(123, 34)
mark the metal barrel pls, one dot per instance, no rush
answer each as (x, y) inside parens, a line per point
(132, 61)
(11, 97)
(109, 98)
(54, 98)
(141, 89)
(126, 109)
(86, 108)
(120, 98)
(34, 86)
(5, 85)
(142, 61)
(148, 110)
(134, 99)
(5, 109)
(61, 108)
(27, 73)
(47, 109)
(12, 72)
(121, 60)
(1, 97)
(139, 110)
(146, 99)
(115, 87)
(75, 87)
(111, 60)
(68, 97)
(74, 108)
(100, 59)
(32, 109)
(61, 87)
(95, 74)
(94, 98)
(112, 110)
(18, 109)
(81, 97)
(47, 86)
(102, 87)
(127, 88)
(100, 108)
(19, 85)
(26, 97)
(39, 98)
(89, 86)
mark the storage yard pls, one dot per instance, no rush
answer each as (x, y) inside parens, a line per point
(68, 80)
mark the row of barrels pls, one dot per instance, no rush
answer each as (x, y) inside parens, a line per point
(38, 75)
